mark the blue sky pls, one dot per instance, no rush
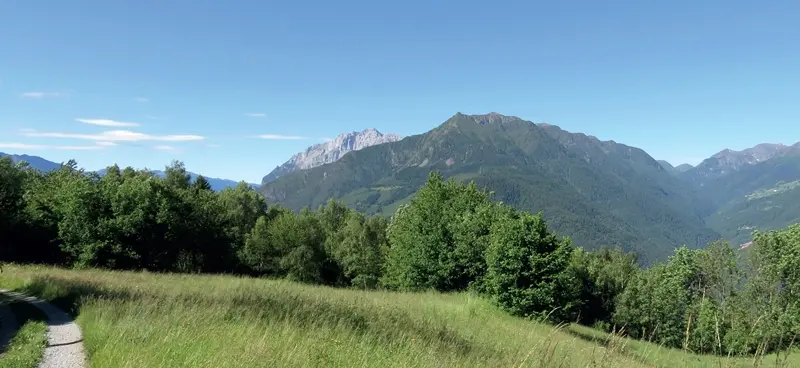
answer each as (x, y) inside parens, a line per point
(142, 82)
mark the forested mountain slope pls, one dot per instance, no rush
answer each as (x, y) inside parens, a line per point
(635, 166)
(763, 209)
(597, 193)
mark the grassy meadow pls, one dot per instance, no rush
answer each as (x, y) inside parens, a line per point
(139, 319)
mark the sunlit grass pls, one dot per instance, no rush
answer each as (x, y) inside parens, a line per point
(134, 319)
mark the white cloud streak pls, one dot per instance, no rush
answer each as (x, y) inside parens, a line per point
(165, 148)
(115, 136)
(256, 115)
(40, 94)
(21, 146)
(280, 137)
(107, 122)
(79, 148)
(26, 146)
(141, 99)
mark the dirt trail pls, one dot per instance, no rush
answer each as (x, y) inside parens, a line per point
(64, 339)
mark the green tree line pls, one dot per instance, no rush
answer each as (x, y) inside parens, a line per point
(451, 237)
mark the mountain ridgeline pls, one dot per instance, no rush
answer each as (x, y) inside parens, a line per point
(601, 194)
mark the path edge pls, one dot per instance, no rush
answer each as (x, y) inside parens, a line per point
(56, 317)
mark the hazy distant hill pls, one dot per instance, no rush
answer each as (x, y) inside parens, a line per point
(728, 162)
(35, 161)
(45, 165)
(216, 183)
(750, 192)
(675, 170)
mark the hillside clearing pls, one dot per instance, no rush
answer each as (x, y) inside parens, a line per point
(139, 319)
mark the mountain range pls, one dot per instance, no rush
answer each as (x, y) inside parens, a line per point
(44, 165)
(600, 193)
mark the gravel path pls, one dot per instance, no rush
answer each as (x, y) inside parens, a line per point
(64, 339)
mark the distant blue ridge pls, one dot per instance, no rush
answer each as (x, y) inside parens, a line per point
(41, 164)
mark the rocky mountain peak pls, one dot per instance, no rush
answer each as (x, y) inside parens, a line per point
(330, 151)
(346, 142)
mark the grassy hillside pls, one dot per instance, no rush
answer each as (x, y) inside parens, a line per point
(160, 320)
(598, 193)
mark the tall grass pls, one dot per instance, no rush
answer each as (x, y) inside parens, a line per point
(136, 319)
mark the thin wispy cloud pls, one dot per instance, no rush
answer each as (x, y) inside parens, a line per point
(26, 146)
(165, 148)
(256, 115)
(40, 94)
(21, 146)
(141, 99)
(106, 144)
(115, 136)
(280, 137)
(107, 122)
(79, 148)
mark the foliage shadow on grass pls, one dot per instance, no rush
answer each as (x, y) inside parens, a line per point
(23, 312)
(69, 301)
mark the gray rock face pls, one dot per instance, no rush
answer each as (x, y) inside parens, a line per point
(331, 151)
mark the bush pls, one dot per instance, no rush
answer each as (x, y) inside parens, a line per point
(437, 240)
(528, 272)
